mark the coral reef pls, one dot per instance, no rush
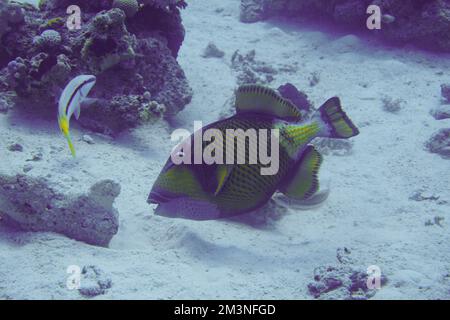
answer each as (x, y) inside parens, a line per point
(130, 7)
(48, 39)
(132, 54)
(440, 143)
(421, 22)
(32, 204)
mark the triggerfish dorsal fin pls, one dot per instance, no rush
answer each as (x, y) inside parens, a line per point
(260, 99)
(303, 181)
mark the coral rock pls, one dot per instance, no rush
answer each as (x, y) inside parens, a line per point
(211, 51)
(445, 91)
(48, 39)
(440, 143)
(33, 205)
(93, 282)
(130, 7)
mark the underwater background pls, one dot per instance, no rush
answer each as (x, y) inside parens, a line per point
(76, 228)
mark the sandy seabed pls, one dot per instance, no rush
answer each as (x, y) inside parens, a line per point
(369, 210)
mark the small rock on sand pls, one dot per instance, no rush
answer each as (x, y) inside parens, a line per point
(88, 139)
(94, 282)
(440, 143)
(445, 91)
(211, 51)
(15, 147)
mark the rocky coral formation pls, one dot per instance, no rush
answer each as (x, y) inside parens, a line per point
(252, 11)
(130, 7)
(250, 70)
(133, 57)
(441, 111)
(440, 143)
(421, 22)
(341, 282)
(94, 282)
(33, 205)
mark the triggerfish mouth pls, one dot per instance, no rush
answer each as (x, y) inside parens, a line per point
(202, 191)
(70, 103)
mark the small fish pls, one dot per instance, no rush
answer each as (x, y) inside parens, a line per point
(70, 103)
(213, 191)
(387, 18)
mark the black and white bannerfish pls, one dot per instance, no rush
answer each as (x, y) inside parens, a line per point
(70, 103)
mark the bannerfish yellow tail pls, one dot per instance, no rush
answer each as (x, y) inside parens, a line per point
(64, 126)
(71, 147)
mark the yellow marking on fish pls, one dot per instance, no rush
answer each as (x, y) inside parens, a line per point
(71, 147)
(301, 134)
(64, 126)
(221, 175)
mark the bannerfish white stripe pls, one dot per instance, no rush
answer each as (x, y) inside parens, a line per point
(73, 94)
(70, 102)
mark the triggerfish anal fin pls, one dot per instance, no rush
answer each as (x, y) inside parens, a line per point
(336, 121)
(260, 99)
(303, 181)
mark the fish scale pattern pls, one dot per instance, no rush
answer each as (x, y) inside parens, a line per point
(246, 185)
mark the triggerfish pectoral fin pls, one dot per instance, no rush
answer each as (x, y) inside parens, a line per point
(303, 183)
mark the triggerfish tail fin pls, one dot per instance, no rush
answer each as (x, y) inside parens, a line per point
(335, 123)
(302, 183)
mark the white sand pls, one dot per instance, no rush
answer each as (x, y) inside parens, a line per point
(368, 211)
